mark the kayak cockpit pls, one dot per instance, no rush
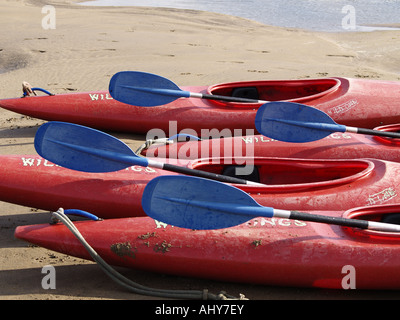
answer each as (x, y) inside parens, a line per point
(277, 90)
(282, 174)
(387, 140)
(389, 213)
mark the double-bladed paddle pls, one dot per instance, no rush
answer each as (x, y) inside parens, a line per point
(284, 121)
(149, 90)
(196, 203)
(295, 122)
(85, 149)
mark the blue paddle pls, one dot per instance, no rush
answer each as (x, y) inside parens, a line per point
(196, 203)
(295, 122)
(149, 90)
(85, 149)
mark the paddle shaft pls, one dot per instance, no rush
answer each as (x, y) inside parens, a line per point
(329, 127)
(146, 162)
(203, 204)
(85, 149)
(149, 90)
(296, 215)
(353, 223)
(251, 212)
(373, 132)
(178, 93)
(221, 98)
(199, 173)
(254, 211)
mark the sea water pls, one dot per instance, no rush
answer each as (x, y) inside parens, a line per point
(316, 15)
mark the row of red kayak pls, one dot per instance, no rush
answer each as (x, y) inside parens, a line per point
(343, 175)
(352, 102)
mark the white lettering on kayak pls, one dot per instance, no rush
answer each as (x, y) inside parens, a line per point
(382, 196)
(141, 169)
(100, 96)
(274, 222)
(342, 108)
(260, 222)
(338, 136)
(35, 162)
(257, 139)
(254, 139)
(160, 224)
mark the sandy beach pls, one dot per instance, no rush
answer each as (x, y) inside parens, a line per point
(90, 44)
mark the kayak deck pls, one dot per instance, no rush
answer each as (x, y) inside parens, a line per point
(324, 184)
(269, 251)
(351, 102)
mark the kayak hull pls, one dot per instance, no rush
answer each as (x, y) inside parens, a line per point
(352, 102)
(292, 184)
(263, 251)
(335, 146)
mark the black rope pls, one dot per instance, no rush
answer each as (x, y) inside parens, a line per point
(133, 286)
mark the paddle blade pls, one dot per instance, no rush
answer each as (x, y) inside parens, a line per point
(197, 203)
(144, 89)
(81, 148)
(294, 122)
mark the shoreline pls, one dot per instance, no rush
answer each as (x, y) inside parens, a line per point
(90, 44)
(78, 4)
(366, 27)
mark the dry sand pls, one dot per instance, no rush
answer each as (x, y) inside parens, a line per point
(90, 44)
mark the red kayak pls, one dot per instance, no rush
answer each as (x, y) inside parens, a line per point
(351, 102)
(263, 251)
(292, 184)
(335, 146)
